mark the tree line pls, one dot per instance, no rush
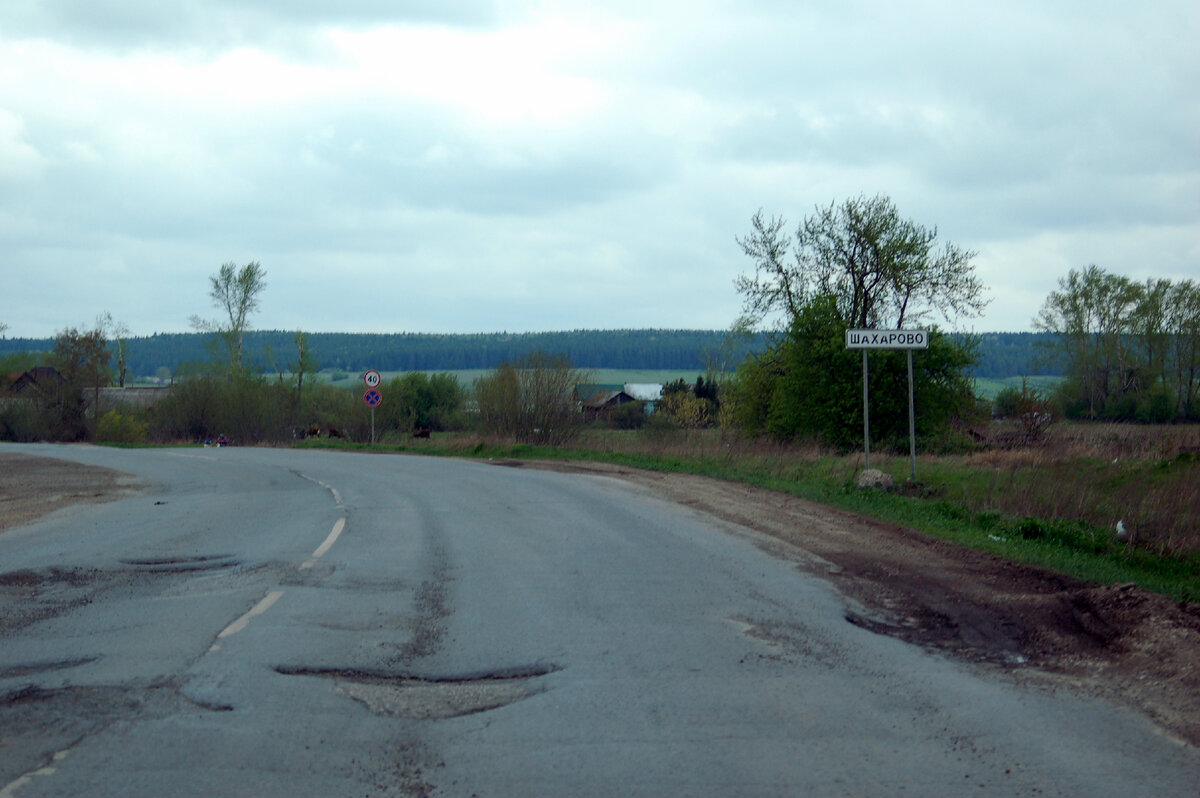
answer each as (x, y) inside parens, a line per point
(1001, 354)
(1130, 350)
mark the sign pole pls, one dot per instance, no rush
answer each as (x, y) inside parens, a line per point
(912, 424)
(889, 339)
(372, 397)
(866, 416)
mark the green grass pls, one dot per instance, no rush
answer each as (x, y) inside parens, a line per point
(988, 387)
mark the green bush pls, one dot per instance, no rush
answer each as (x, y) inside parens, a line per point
(631, 415)
(808, 385)
(116, 427)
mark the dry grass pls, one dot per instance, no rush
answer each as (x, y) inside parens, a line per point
(1146, 476)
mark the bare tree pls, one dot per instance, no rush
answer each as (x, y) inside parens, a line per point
(305, 364)
(235, 291)
(117, 332)
(533, 400)
(881, 269)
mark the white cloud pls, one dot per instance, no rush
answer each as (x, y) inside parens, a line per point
(525, 165)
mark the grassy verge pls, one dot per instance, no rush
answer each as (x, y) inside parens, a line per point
(977, 503)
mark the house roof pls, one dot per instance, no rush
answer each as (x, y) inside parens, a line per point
(35, 377)
(586, 390)
(605, 398)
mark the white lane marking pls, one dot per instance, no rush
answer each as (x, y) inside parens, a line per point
(329, 541)
(324, 547)
(258, 609)
(192, 456)
(11, 788)
(337, 497)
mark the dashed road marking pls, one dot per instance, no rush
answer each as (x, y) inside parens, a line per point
(337, 497)
(242, 622)
(11, 788)
(324, 547)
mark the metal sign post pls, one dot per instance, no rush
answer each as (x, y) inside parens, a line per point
(866, 416)
(889, 339)
(372, 397)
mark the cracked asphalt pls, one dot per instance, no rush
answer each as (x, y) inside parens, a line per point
(272, 622)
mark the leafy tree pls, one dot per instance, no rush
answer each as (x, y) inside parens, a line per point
(857, 265)
(1183, 320)
(236, 292)
(882, 270)
(422, 401)
(82, 360)
(1130, 350)
(809, 385)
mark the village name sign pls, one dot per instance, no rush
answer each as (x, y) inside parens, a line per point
(889, 339)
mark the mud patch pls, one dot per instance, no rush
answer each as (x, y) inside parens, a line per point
(35, 722)
(32, 486)
(794, 643)
(431, 697)
(30, 596)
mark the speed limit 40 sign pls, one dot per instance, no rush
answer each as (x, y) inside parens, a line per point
(371, 378)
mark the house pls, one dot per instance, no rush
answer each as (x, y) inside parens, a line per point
(43, 381)
(596, 399)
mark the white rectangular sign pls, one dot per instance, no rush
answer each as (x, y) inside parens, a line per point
(887, 339)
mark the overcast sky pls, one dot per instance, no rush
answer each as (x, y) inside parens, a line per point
(456, 166)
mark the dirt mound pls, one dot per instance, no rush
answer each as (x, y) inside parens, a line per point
(31, 487)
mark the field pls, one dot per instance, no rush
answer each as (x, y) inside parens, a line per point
(467, 377)
(988, 388)
(985, 388)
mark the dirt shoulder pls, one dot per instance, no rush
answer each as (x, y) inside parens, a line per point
(32, 486)
(1122, 643)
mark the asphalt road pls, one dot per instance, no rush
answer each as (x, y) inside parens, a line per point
(292, 623)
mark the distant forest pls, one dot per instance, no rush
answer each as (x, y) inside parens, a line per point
(1000, 354)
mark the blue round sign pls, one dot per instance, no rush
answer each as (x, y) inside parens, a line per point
(372, 397)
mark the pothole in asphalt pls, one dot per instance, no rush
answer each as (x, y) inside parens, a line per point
(14, 671)
(424, 697)
(209, 562)
(100, 703)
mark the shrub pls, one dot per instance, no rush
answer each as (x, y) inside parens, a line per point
(631, 415)
(532, 401)
(116, 427)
